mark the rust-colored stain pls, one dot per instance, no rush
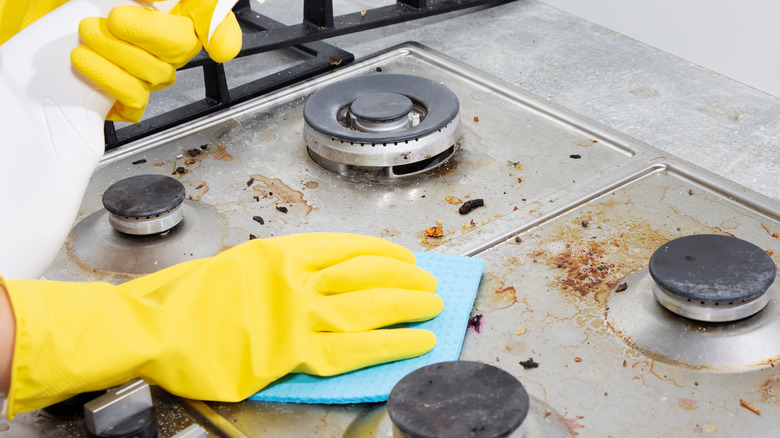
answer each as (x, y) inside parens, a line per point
(94, 274)
(312, 185)
(454, 200)
(571, 424)
(687, 404)
(435, 232)
(770, 390)
(774, 235)
(509, 295)
(285, 195)
(770, 252)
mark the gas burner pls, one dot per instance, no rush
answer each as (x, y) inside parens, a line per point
(382, 126)
(709, 277)
(459, 399)
(730, 322)
(143, 228)
(144, 204)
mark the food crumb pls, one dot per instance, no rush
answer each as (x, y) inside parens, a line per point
(690, 192)
(575, 156)
(204, 146)
(770, 252)
(529, 364)
(141, 161)
(468, 206)
(250, 182)
(749, 407)
(258, 219)
(180, 169)
(547, 414)
(476, 118)
(521, 331)
(194, 152)
(159, 164)
(584, 224)
(621, 287)
(200, 186)
(625, 364)
(252, 236)
(436, 231)
(578, 359)
(189, 161)
(281, 209)
(475, 323)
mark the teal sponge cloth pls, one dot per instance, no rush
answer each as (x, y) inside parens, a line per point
(458, 279)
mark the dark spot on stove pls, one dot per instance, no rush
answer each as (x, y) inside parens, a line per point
(519, 180)
(529, 364)
(256, 198)
(690, 192)
(695, 383)
(468, 206)
(179, 169)
(252, 237)
(584, 224)
(518, 239)
(204, 146)
(422, 196)
(250, 182)
(379, 69)
(475, 323)
(560, 266)
(281, 209)
(690, 258)
(141, 161)
(194, 152)
(575, 156)
(621, 287)
(270, 193)
(258, 219)
(476, 118)
(625, 364)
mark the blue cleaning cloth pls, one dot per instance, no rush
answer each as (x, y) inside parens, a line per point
(458, 280)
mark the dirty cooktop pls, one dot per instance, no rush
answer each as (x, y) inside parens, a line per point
(572, 213)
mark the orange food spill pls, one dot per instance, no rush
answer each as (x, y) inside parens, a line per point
(434, 231)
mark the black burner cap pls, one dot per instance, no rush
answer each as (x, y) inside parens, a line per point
(381, 107)
(458, 399)
(712, 268)
(144, 196)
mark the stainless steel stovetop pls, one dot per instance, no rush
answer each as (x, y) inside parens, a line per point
(573, 211)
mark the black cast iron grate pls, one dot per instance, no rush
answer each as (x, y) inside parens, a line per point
(262, 34)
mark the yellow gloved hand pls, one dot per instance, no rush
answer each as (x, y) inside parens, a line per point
(224, 327)
(15, 15)
(135, 51)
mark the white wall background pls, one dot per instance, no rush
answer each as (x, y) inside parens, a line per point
(738, 39)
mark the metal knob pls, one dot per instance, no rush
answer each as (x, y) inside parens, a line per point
(123, 412)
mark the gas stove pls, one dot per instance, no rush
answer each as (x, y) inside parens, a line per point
(576, 222)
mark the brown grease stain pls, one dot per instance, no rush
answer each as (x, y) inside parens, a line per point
(770, 390)
(94, 274)
(687, 404)
(284, 194)
(312, 185)
(586, 143)
(195, 189)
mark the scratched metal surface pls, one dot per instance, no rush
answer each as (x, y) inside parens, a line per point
(558, 234)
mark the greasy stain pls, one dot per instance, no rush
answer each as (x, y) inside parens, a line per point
(312, 184)
(586, 143)
(687, 404)
(770, 390)
(284, 195)
(454, 200)
(195, 189)
(93, 274)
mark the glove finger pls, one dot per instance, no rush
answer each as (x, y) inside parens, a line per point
(138, 62)
(320, 250)
(114, 80)
(168, 37)
(225, 43)
(336, 353)
(370, 271)
(374, 308)
(123, 113)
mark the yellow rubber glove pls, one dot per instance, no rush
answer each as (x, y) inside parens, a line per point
(224, 327)
(135, 51)
(15, 15)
